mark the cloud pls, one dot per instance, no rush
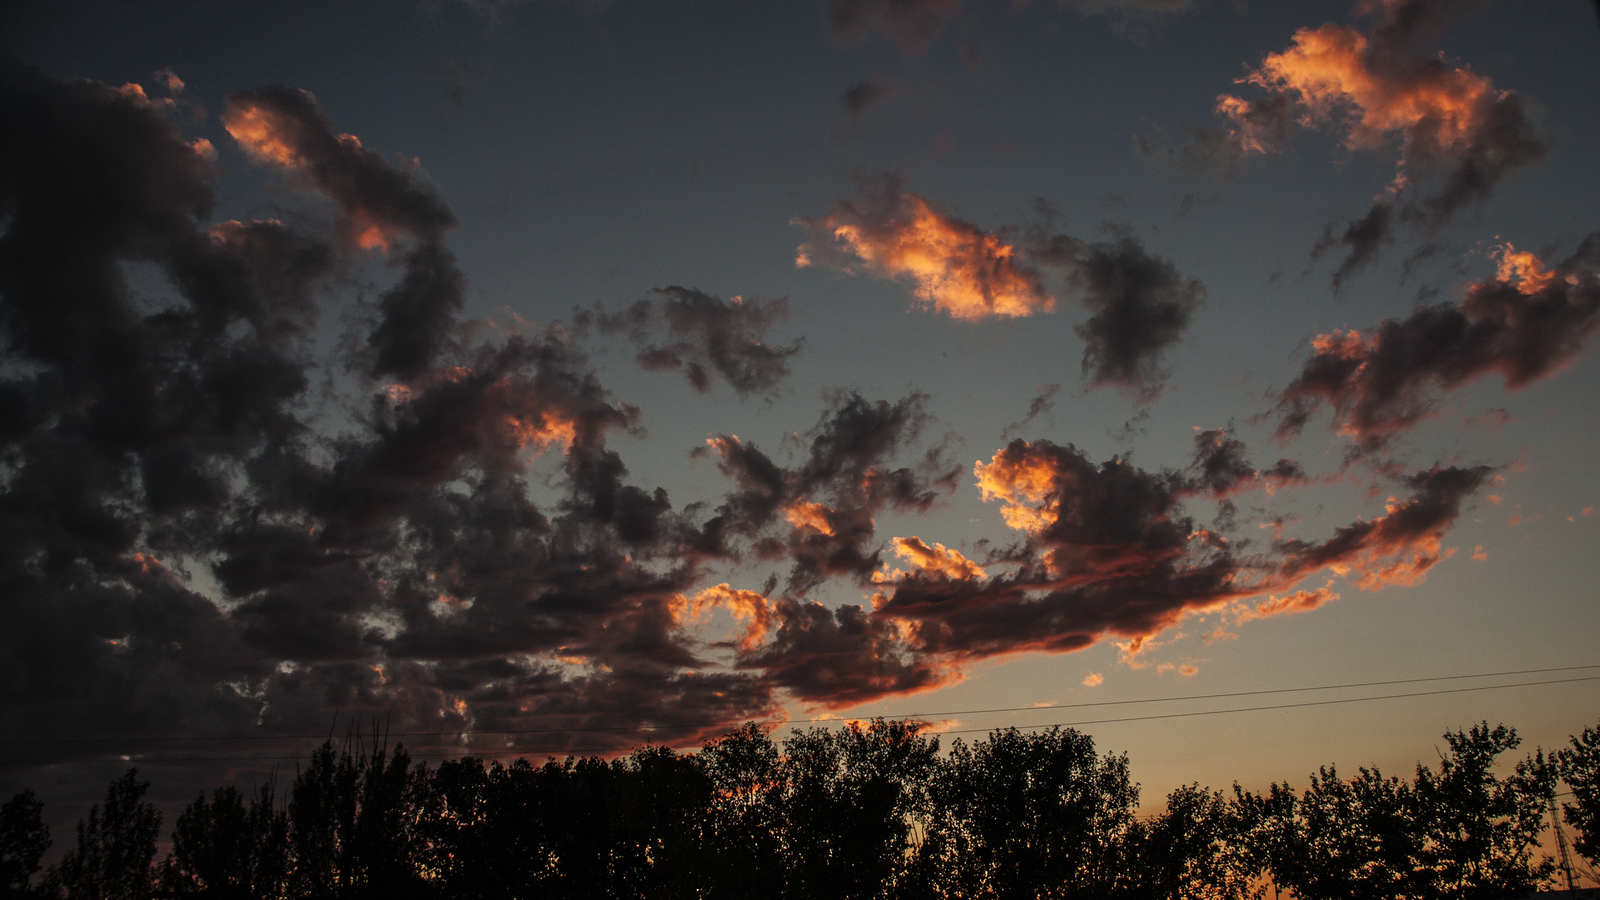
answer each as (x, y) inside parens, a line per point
(706, 335)
(208, 517)
(186, 541)
(1044, 400)
(864, 96)
(1128, 16)
(838, 658)
(952, 265)
(1109, 550)
(380, 204)
(1221, 469)
(1400, 546)
(1524, 323)
(936, 559)
(1459, 135)
(830, 502)
(1146, 7)
(911, 25)
(1362, 239)
(1140, 305)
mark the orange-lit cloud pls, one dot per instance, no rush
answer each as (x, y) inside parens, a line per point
(937, 561)
(1399, 547)
(809, 515)
(1460, 136)
(1093, 679)
(1297, 602)
(952, 265)
(1023, 483)
(1109, 550)
(1525, 323)
(746, 606)
(266, 134)
(379, 201)
(273, 136)
(1331, 71)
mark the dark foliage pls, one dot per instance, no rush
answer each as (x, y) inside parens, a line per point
(870, 810)
(23, 840)
(1579, 765)
(115, 847)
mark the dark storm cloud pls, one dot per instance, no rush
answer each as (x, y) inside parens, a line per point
(381, 203)
(1525, 323)
(1140, 305)
(705, 335)
(399, 566)
(838, 658)
(1402, 24)
(131, 416)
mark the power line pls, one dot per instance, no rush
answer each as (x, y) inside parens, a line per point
(526, 751)
(1308, 703)
(701, 725)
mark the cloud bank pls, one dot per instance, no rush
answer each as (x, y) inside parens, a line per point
(194, 537)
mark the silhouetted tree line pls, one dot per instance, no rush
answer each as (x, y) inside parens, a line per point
(869, 811)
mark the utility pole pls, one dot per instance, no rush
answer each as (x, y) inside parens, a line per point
(1561, 845)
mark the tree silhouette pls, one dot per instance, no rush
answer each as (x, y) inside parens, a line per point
(1481, 830)
(849, 799)
(1024, 815)
(1579, 765)
(867, 811)
(744, 820)
(1197, 850)
(23, 840)
(659, 809)
(354, 825)
(1340, 839)
(115, 847)
(1458, 832)
(487, 830)
(222, 849)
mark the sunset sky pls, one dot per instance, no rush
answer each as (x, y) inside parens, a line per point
(558, 375)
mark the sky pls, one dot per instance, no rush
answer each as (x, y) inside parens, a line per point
(538, 377)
